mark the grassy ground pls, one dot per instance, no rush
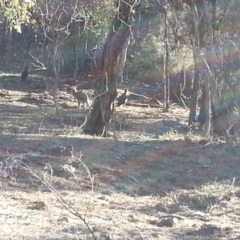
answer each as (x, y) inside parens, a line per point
(154, 180)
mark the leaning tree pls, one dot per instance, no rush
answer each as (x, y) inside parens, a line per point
(106, 86)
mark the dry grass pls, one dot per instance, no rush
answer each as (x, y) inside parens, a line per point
(153, 183)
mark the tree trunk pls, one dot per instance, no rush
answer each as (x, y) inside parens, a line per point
(208, 23)
(106, 86)
(196, 42)
(165, 67)
(77, 54)
(202, 31)
(4, 38)
(56, 80)
(207, 107)
(123, 60)
(194, 98)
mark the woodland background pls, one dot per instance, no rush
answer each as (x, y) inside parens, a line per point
(163, 167)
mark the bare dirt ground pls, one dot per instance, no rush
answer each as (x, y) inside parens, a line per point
(154, 180)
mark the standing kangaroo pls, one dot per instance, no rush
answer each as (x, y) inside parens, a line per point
(81, 97)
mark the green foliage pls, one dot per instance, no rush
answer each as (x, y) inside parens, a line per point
(18, 14)
(103, 13)
(231, 91)
(146, 53)
(181, 57)
(146, 58)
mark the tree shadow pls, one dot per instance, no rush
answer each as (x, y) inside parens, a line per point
(158, 128)
(141, 168)
(13, 82)
(206, 231)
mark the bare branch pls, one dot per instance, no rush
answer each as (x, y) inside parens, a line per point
(41, 65)
(64, 203)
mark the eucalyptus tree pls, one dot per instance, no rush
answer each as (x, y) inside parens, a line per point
(98, 120)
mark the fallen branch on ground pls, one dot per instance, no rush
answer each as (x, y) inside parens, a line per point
(64, 203)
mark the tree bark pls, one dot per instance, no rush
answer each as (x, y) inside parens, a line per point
(210, 76)
(123, 60)
(166, 86)
(196, 42)
(56, 80)
(207, 108)
(194, 98)
(4, 38)
(203, 36)
(106, 86)
(76, 48)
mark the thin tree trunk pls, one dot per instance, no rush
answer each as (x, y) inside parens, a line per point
(210, 76)
(76, 63)
(56, 74)
(207, 107)
(214, 20)
(77, 54)
(194, 97)
(4, 37)
(197, 34)
(165, 67)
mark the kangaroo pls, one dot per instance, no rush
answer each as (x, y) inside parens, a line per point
(122, 100)
(25, 72)
(81, 97)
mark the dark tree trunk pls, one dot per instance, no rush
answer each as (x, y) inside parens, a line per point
(194, 98)
(218, 123)
(202, 31)
(177, 87)
(3, 40)
(183, 81)
(106, 86)
(202, 101)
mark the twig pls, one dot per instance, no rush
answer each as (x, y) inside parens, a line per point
(172, 216)
(141, 236)
(40, 125)
(140, 95)
(228, 130)
(41, 67)
(180, 99)
(64, 203)
(209, 143)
